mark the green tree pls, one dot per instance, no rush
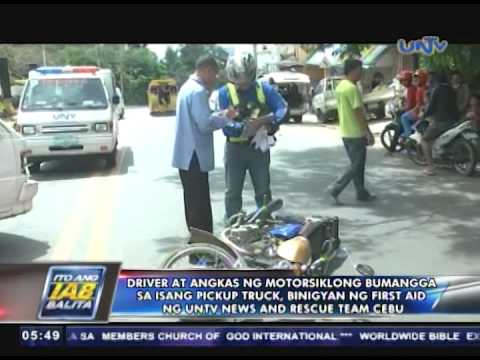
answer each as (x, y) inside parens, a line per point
(313, 48)
(180, 63)
(135, 63)
(352, 50)
(461, 57)
(171, 62)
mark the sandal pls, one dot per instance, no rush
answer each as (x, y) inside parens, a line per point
(429, 172)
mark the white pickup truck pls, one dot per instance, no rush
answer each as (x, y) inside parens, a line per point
(325, 101)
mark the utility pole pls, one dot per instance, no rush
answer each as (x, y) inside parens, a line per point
(99, 63)
(44, 55)
(122, 67)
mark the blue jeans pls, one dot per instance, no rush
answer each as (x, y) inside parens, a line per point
(238, 159)
(407, 119)
(356, 149)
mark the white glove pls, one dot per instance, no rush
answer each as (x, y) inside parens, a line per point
(262, 141)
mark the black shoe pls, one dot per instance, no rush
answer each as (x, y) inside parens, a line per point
(331, 192)
(367, 198)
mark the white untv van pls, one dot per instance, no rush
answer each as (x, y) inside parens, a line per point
(69, 111)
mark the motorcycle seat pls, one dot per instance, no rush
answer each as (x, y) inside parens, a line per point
(454, 125)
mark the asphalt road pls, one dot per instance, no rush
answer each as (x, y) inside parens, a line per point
(134, 213)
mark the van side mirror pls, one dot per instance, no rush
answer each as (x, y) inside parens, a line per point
(115, 100)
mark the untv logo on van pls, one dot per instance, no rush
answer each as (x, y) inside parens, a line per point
(428, 45)
(63, 116)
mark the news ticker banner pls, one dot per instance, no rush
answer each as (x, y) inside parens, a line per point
(99, 292)
(270, 294)
(253, 336)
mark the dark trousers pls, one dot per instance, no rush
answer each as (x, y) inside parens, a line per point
(239, 159)
(196, 197)
(357, 153)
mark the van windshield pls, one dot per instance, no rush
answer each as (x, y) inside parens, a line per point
(64, 94)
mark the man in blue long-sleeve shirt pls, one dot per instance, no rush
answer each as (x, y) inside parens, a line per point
(258, 105)
(193, 150)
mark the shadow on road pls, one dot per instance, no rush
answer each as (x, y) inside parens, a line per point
(441, 208)
(162, 114)
(16, 249)
(81, 168)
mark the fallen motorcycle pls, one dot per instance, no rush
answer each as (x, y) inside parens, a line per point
(309, 246)
(453, 149)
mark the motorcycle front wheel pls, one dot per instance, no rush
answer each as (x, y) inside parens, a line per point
(201, 256)
(464, 157)
(389, 138)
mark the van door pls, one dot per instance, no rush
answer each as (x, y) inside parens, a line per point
(318, 100)
(330, 96)
(8, 171)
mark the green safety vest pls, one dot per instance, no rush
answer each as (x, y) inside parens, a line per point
(234, 98)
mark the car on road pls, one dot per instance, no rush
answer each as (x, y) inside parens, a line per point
(324, 100)
(295, 88)
(17, 190)
(162, 96)
(69, 111)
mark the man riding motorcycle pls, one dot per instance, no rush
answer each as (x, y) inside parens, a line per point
(406, 77)
(442, 111)
(404, 102)
(411, 116)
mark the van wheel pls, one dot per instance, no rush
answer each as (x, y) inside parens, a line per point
(332, 115)
(297, 119)
(320, 116)
(34, 167)
(111, 159)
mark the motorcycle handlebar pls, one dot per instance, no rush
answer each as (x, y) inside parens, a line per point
(270, 208)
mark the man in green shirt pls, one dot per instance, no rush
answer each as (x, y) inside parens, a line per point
(355, 132)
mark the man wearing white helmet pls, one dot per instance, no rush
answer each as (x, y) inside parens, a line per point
(261, 109)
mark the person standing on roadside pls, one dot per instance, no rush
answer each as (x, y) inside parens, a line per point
(355, 133)
(193, 149)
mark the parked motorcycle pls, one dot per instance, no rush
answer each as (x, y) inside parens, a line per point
(454, 148)
(391, 133)
(309, 246)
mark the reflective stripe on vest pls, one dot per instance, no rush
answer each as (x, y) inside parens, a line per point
(233, 94)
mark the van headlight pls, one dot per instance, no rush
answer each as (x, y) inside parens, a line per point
(28, 130)
(101, 127)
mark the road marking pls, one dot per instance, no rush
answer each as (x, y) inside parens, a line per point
(71, 230)
(106, 203)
